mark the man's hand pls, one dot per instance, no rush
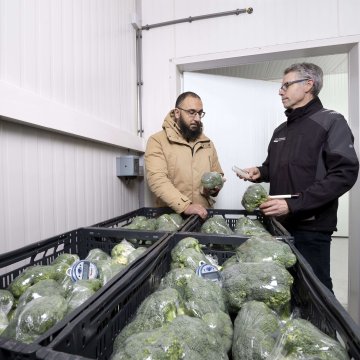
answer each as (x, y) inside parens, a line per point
(253, 174)
(196, 209)
(276, 207)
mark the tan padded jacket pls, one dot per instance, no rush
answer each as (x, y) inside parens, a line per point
(174, 167)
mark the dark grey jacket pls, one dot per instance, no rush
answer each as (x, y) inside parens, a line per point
(312, 154)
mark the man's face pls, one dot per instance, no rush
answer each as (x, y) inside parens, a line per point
(294, 95)
(190, 125)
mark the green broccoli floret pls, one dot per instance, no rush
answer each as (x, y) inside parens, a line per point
(184, 338)
(253, 196)
(108, 269)
(249, 227)
(29, 277)
(302, 340)
(256, 249)
(160, 307)
(216, 225)
(265, 281)
(141, 223)
(6, 301)
(256, 329)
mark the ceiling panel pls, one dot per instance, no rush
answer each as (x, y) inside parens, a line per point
(273, 70)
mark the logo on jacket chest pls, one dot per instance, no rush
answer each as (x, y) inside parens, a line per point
(276, 140)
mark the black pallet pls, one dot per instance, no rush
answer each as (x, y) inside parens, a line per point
(99, 324)
(149, 212)
(80, 242)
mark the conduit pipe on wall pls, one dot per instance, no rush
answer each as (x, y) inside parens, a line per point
(139, 29)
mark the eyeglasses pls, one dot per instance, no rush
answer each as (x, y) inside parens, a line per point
(193, 112)
(286, 85)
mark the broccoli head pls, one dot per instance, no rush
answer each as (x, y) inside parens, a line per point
(216, 225)
(249, 227)
(264, 281)
(184, 338)
(6, 301)
(257, 249)
(256, 329)
(212, 180)
(253, 196)
(303, 340)
(169, 222)
(29, 277)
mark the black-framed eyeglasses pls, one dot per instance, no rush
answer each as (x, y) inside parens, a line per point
(286, 85)
(193, 112)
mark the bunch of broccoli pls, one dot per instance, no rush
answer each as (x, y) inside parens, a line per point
(254, 196)
(187, 253)
(164, 222)
(268, 282)
(257, 249)
(250, 227)
(216, 225)
(256, 330)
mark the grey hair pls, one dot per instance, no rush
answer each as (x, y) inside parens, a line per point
(308, 71)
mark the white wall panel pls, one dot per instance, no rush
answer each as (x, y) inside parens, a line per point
(76, 54)
(51, 183)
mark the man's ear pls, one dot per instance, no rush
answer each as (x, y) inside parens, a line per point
(176, 113)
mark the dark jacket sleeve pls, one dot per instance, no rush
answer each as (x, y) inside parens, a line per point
(337, 171)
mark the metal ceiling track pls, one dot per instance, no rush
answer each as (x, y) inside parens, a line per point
(139, 30)
(191, 19)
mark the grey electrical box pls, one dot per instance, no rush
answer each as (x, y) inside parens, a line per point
(128, 166)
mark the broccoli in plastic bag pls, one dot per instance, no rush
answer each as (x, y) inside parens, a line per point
(122, 249)
(97, 254)
(303, 340)
(216, 225)
(249, 227)
(6, 301)
(212, 180)
(81, 291)
(268, 282)
(4, 322)
(169, 222)
(256, 249)
(254, 196)
(35, 318)
(256, 329)
(29, 277)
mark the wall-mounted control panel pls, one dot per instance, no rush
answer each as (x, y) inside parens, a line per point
(128, 165)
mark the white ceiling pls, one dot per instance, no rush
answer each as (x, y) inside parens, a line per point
(273, 70)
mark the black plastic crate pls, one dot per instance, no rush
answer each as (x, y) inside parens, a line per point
(232, 215)
(99, 324)
(316, 303)
(93, 332)
(79, 242)
(149, 212)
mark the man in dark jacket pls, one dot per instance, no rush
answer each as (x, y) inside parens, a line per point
(311, 154)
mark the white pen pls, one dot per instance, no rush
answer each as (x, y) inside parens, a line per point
(286, 196)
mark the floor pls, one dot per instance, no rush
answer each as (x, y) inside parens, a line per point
(339, 268)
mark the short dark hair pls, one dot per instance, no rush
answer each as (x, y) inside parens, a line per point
(184, 95)
(308, 71)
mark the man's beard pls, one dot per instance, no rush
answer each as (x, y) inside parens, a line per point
(187, 132)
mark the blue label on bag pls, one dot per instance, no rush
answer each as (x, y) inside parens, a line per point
(208, 271)
(83, 270)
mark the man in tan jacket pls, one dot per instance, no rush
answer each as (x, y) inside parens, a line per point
(178, 156)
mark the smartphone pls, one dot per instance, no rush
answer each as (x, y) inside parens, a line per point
(241, 172)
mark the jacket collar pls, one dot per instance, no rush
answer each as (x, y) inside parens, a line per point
(310, 108)
(173, 132)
